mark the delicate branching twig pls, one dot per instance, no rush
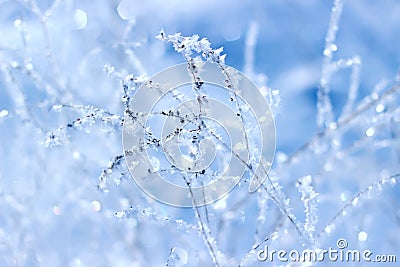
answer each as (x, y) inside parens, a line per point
(106, 173)
(148, 214)
(93, 115)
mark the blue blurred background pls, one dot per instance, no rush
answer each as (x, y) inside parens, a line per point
(54, 52)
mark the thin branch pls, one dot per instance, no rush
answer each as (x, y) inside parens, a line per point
(355, 200)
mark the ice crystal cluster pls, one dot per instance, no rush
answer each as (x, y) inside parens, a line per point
(69, 70)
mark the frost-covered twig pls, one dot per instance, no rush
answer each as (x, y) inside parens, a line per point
(188, 46)
(249, 53)
(250, 256)
(18, 96)
(93, 115)
(357, 199)
(106, 173)
(310, 200)
(177, 257)
(324, 105)
(148, 214)
(368, 103)
(277, 195)
(204, 229)
(129, 85)
(43, 18)
(355, 64)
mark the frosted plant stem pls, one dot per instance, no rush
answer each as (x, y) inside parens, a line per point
(51, 8)
(250, 47)
(310, 201)
(372, 103)
(246, 259)
(324, 105)
(128, 47)
(113, 164)
(262, 211)
(355, 64)
(342, 122)
(19, 98)
(152, 215)
(355, 200)
(28, 68)
(281, 206)
(382, 121)
(205, 206)
(231, 86)
(43, 17)
(203, 228)
(276, 196)
(169, 257)
(92, 115)
(181, 46)
(134, 59)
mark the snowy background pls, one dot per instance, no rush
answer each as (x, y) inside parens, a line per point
(66, 198)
